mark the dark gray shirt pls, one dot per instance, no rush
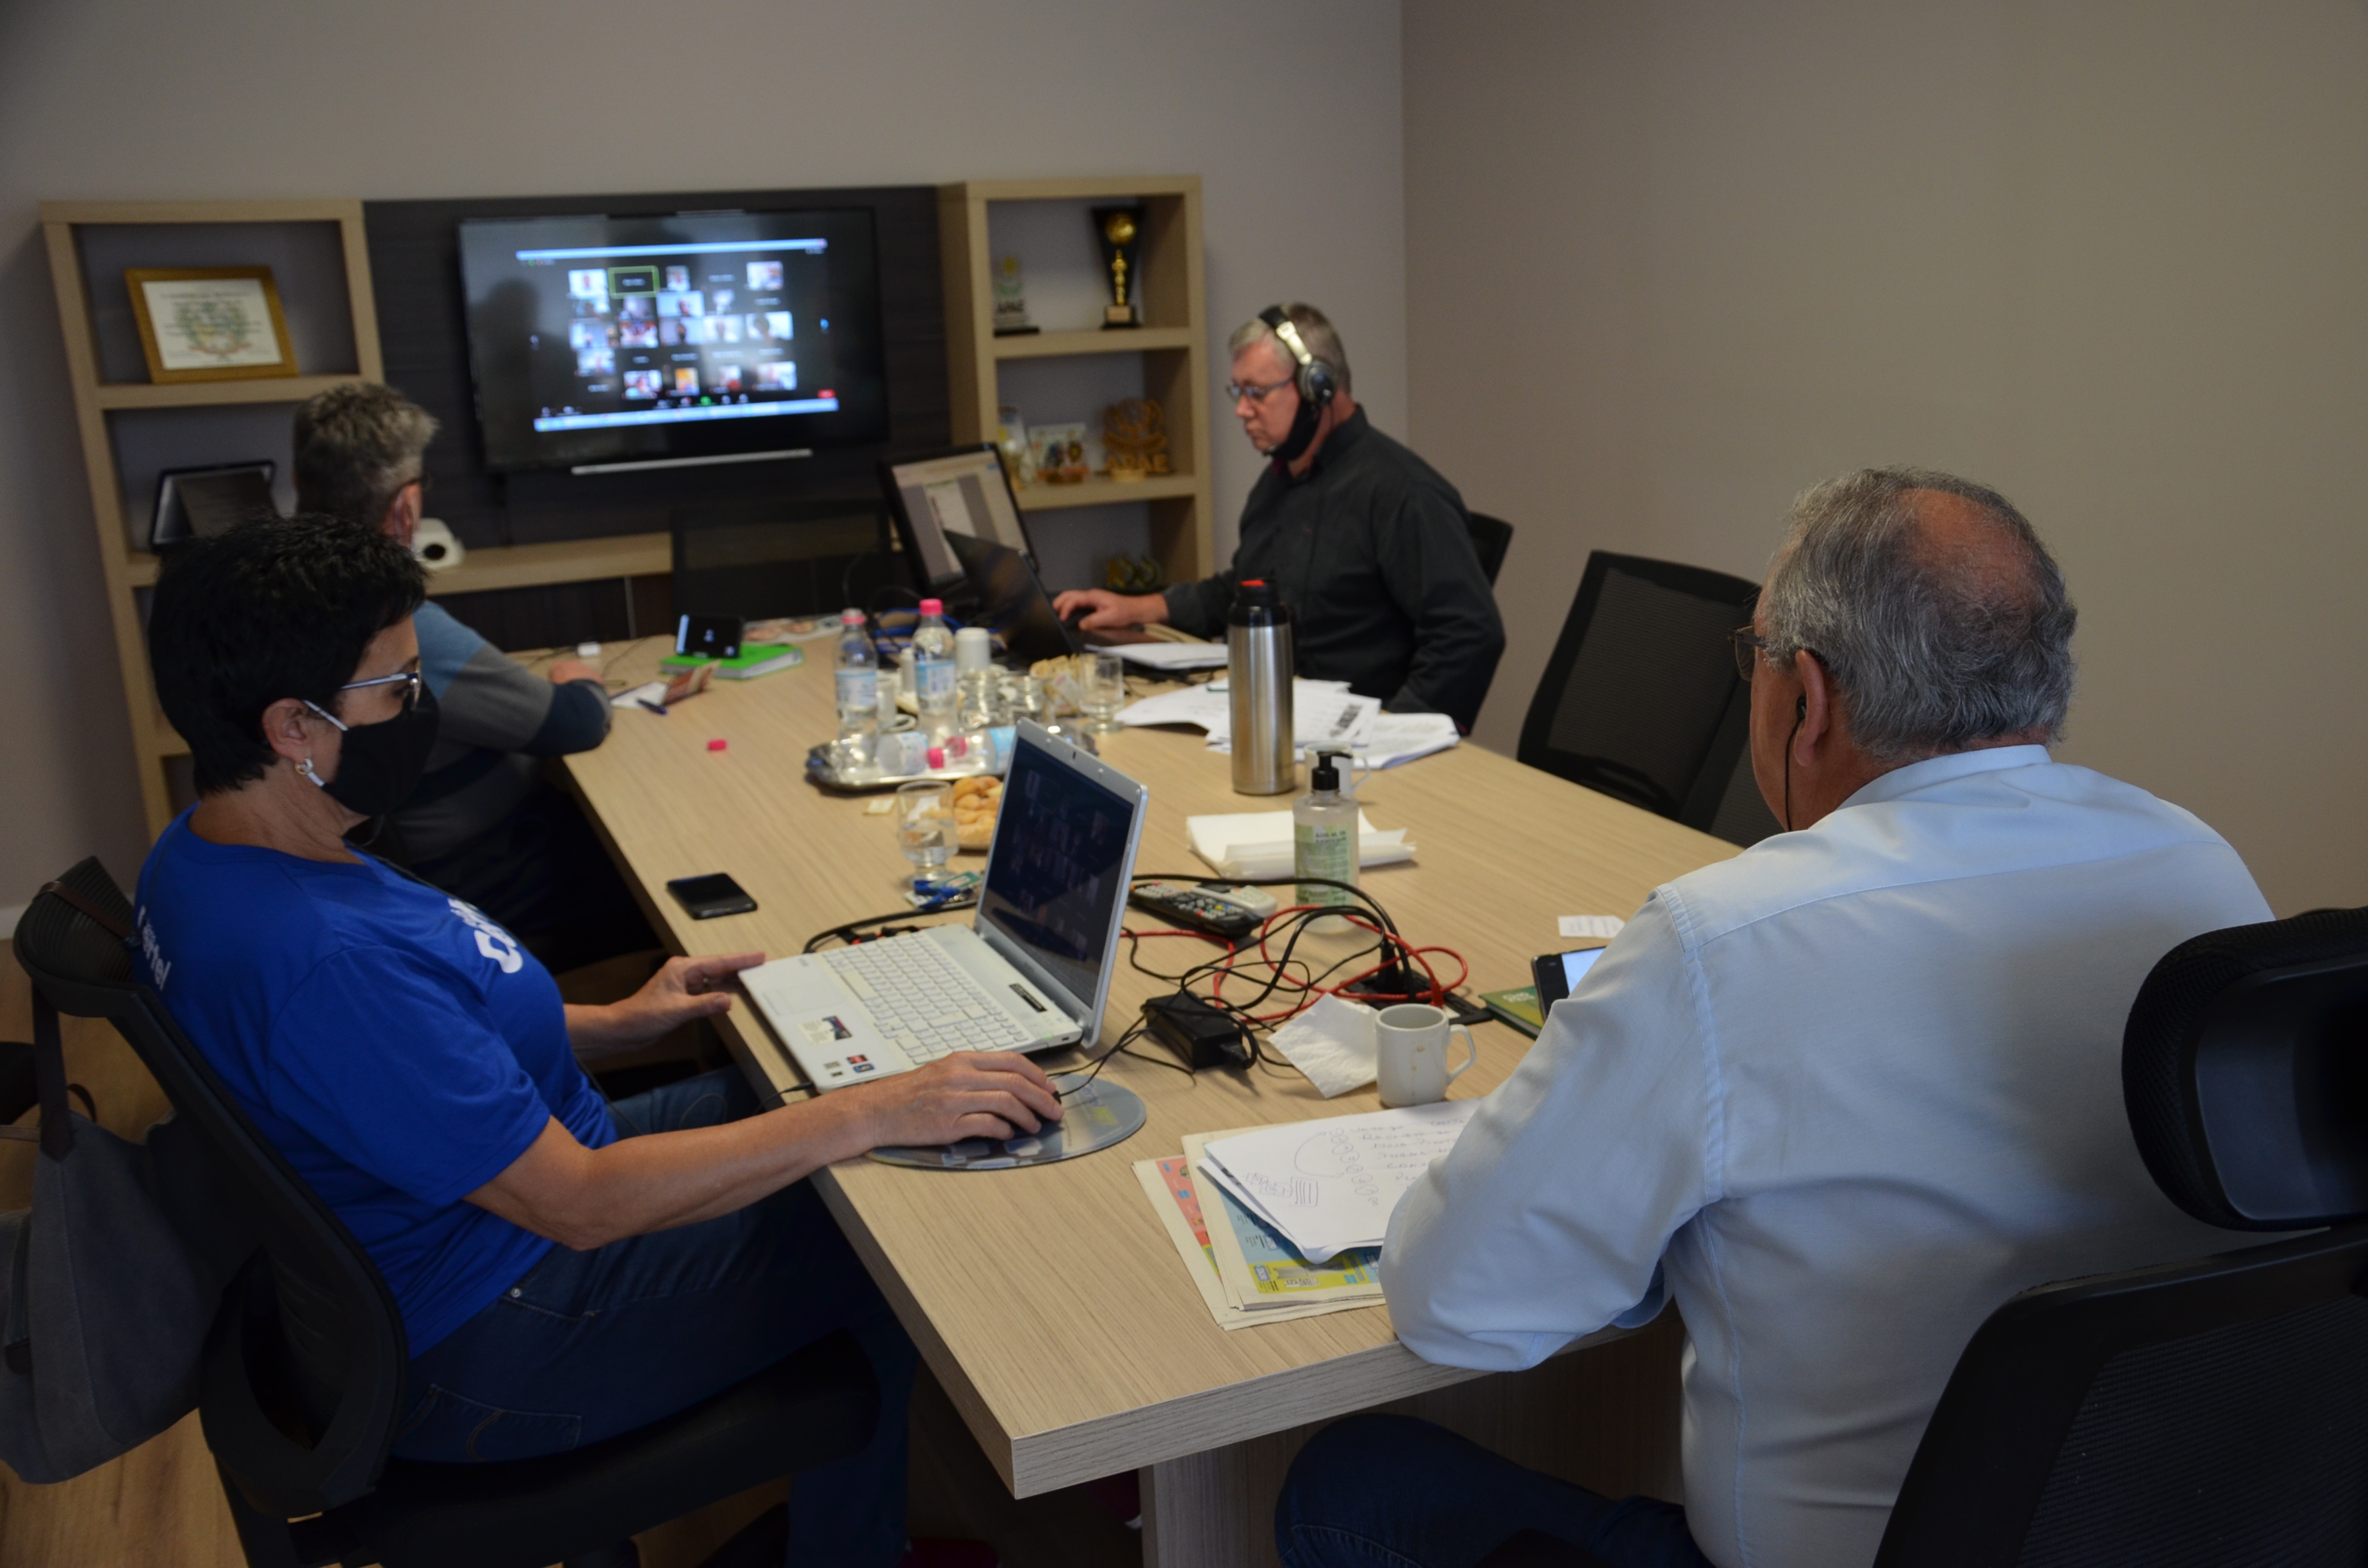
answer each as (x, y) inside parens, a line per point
(499, 719)
(1372, 551)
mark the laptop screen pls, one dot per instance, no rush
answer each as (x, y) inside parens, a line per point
(1059, 871)
(1011, 601)
(962, 492)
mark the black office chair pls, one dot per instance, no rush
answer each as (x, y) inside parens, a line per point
(2202, 1414)
(1491, 536)
(1725, 799)
(1641, 680)
(304, 1379)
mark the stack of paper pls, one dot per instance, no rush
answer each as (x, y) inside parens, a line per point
(1251, 846)
(1326, 715)
(1328, 1187)
(1402, 737)
(1244, 1273)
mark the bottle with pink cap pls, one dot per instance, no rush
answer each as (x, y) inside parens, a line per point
(933, 671)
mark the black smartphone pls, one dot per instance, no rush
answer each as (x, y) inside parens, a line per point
(1557, 974)
(707, 897)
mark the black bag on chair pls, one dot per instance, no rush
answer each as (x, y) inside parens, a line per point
(109, 1282)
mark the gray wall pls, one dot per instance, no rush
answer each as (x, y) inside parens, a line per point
(1668, 263)
(143, 99)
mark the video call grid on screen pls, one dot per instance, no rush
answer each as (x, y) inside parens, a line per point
(594, 329)
(682, 330)
(1056, 876)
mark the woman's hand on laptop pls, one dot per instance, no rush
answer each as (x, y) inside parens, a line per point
(682, 991)
(971, 1094)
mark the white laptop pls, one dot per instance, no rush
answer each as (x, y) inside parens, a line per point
(1031, 970)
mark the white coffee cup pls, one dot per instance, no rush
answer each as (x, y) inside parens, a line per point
(1410, 1052)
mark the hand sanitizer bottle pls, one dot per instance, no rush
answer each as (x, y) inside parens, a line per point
(1323, 840)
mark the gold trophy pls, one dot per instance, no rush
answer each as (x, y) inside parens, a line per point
(1119, 231)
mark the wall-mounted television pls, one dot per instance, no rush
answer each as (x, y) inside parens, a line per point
(701, 338)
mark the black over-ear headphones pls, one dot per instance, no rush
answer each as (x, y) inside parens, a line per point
(1316, 379)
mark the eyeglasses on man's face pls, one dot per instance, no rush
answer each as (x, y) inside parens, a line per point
(1747, 646)
(1252, 390)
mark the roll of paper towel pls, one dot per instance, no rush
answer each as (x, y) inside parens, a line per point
(434, 543)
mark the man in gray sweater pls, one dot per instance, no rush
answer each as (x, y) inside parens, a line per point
(482, 824)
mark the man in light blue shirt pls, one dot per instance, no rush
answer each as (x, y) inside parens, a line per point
(1839, 1098)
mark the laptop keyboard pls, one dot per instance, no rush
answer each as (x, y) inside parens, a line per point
(923, 1001)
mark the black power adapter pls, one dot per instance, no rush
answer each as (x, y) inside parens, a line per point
(1200, 1034)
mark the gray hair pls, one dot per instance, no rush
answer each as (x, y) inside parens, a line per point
(1315, 330)
(356, 446)
(1930, 653)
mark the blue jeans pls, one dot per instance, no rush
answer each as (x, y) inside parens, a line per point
(1392, 1491)
(587, 1345)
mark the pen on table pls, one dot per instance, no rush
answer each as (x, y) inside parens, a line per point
(656, 708)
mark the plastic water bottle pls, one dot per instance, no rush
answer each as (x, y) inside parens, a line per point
(1325, 840)
(859, 693)
(933, 671)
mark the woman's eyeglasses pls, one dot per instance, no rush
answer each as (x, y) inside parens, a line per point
(409, 678)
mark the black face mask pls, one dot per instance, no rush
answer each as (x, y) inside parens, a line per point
(380, 764)
(1303, 433)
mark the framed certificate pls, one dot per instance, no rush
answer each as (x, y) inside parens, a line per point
(209, 323)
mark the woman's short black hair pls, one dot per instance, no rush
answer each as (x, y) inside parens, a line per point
(280, 608)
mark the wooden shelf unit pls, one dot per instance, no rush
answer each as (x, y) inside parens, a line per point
(129, 571)
(1173, 341)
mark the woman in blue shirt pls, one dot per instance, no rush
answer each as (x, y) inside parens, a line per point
(566, 1269)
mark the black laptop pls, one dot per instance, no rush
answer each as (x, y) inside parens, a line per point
(1011, 600)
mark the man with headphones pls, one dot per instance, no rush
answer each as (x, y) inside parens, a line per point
(1368, 545)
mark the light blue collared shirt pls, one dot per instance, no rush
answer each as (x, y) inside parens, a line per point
(1842, 1096)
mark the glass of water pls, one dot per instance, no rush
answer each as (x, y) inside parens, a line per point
(1105, 693)
(925, 822)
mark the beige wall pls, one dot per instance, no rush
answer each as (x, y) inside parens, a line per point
(151, 99)
(1668, 263)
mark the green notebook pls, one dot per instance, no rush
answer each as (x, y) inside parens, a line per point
(756, 659)
(1518, 1007)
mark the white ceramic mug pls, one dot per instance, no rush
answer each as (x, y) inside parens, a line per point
(1410, 1052)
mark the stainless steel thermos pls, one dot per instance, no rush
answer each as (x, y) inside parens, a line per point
(1258, 669)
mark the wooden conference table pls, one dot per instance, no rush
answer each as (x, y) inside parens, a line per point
(1050, 1301)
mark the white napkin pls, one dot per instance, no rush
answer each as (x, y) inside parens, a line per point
(1332, 1042)
(1254, 845)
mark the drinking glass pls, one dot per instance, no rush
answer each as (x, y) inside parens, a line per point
(1026, 697)
(1105, 693)
(925, 822)
(976, 699)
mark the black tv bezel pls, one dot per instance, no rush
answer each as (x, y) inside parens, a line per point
(864, 419)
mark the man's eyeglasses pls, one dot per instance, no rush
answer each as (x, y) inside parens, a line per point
(1747, 646)
(409, 678)
(1252, 390)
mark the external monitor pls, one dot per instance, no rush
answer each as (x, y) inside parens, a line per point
(964, 490)
(1011, 600)
(600, 342)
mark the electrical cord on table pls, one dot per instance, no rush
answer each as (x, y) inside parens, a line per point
(1307, 986)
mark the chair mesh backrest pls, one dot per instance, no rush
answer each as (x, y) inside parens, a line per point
(2244, 1444)
(336, 1316)
(1637, 687)
(1725, 799)
(2245, 1071)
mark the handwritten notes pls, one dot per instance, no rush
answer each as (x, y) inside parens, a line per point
(1330, 1185)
